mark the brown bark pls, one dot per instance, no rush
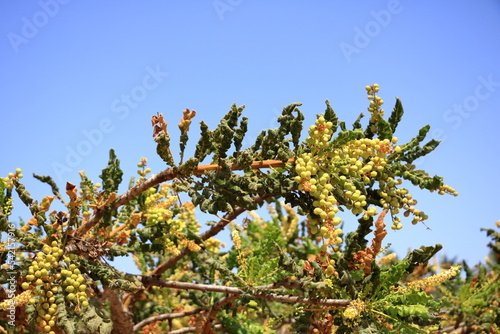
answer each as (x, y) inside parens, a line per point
(122, 320)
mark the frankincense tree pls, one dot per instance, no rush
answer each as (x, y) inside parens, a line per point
(294, 272)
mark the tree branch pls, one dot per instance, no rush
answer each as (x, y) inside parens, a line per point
(165, 175)
(283, 283)
(192, 329)
(212, 231)
(234, 166)
(213, 312)
(302, 300)
(166, 316)
(122, 320)
(154, 281)
(461, 328)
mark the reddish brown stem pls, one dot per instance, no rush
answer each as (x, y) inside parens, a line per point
(165, 175)
(255, 165)
(212, 231)
(207, 328)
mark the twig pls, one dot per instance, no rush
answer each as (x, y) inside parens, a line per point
(212, 231)
(162, 317)
(302, 300)
(461, 328)
(213, 312)
(192, 329)
(165, 175)
(284, 283)
(154, 281)
(255, 165)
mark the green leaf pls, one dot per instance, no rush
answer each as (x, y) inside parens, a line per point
(204, 146)
(289, 124)
(95, 322)
(357, 123)
(111, 175)
(391, 276)
(396, 115)
(163, 148)
(2, 188)
(357, 275)
(384, 129)
(239, 134)
(346, 136)
(411, 148)
(47, 179)
(421, 255)
(24, 195)
(330, 116)
(187, 167)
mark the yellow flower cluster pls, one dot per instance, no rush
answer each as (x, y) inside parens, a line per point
(430, 281)
(144, 171)
(8, 181)
(331, 174)
(375, 106)
(354, 309)
(213, 245)
(18, 300)
(158, 205)
(235, 235)
(162, 208)
(8, 206)
(447, 190)
(290, 221)
(44, 280)
(387, 259)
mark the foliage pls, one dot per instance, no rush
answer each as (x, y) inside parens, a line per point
(295, 272)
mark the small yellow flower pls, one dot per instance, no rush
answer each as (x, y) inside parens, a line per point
(354, 309)
(236, 239)
(433, 280)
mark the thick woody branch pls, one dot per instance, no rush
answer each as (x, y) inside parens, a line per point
(122, 320)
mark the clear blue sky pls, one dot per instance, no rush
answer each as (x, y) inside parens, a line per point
(79, 78)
